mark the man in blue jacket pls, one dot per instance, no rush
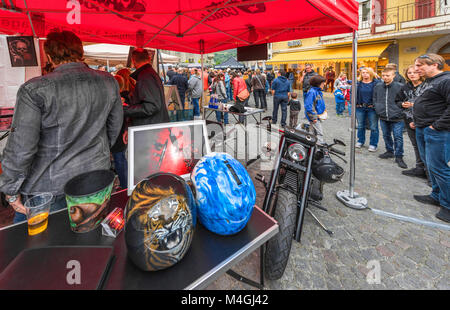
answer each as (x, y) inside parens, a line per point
(315, 106)
(281, 88)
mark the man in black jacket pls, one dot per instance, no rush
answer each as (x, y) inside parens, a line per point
(391, 116)
(148, 104)
(308, 73)
(181, 82)
(432, 122)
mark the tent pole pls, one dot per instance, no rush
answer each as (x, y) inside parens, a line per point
(162, 64)
(157, 61)
(350, 198)
(353, 118)
(29, 18)
(203, 86)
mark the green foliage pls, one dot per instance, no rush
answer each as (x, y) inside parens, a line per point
(220, 57)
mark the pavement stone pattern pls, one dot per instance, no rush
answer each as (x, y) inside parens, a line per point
(410, 256)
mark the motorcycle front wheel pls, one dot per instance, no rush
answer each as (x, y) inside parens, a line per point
(279, 247)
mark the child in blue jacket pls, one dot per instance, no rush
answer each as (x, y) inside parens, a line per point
(315, 109)
(340, 101)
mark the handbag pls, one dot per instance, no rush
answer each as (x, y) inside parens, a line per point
(323, 116)
(237, 108)
(243, 95)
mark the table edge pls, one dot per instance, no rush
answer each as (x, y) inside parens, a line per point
(231, 261)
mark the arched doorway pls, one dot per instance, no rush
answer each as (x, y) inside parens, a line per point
(442, 47)
(445, 52)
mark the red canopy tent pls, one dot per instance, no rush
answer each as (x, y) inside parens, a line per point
(194, 26)
(200, 26)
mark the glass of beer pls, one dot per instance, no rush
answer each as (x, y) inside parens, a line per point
(38, 208)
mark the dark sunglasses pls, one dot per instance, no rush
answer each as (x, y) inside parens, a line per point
(424, 56)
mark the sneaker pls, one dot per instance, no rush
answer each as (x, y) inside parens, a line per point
(386, 155)
(444, 215)
(426, 199)
(372, 148)
(358, 145)
(400, 162)
(415, 172)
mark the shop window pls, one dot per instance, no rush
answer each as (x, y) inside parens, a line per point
(445, 7)
(378, 14)
(424, 9)
(365, 14)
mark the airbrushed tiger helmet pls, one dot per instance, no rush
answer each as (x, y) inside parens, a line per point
(160, 219)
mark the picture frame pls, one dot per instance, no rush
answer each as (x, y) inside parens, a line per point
(22, 52)
(173, 147)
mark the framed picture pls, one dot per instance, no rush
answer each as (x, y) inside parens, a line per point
(174, 147)
(21, 51)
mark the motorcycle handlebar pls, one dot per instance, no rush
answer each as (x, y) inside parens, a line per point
(332, 149)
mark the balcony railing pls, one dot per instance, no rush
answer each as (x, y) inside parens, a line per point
(412, 12)
(401, 17)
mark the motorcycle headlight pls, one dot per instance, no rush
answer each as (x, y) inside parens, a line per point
(297, 152)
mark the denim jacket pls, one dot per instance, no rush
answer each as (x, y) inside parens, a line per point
(64, 124)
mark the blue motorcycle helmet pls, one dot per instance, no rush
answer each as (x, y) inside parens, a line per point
(225, 193)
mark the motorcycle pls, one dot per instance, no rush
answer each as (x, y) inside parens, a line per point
(301, 169)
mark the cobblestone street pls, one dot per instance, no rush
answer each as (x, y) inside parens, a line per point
(411, 256)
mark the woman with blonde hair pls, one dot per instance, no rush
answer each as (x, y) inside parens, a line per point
(365, 109)
(128, 84)
(405, 99)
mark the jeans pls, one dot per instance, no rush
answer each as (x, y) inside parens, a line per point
(362, 114)
(182, 99)
(260, 95)
(434, 148)
(229, 94)
(245, 104)
(317, 130)
(59, 202)
(121, 165)
(277, 101)
(196, 106)
(412, 136)
(395, 129)
(293, 118)
(219, 114)
(340, 107)
(349, 106)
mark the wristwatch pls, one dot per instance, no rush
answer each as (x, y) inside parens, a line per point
(12, 198)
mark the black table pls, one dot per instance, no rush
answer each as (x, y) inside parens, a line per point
(253, 112)
(209, 257)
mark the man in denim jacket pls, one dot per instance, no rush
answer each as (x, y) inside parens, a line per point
(64, 124)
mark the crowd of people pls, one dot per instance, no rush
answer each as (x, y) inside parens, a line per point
(418, 103)
(388, 102)
(75, 118)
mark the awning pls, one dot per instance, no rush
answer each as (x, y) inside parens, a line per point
(117, 52)
(338, 54)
